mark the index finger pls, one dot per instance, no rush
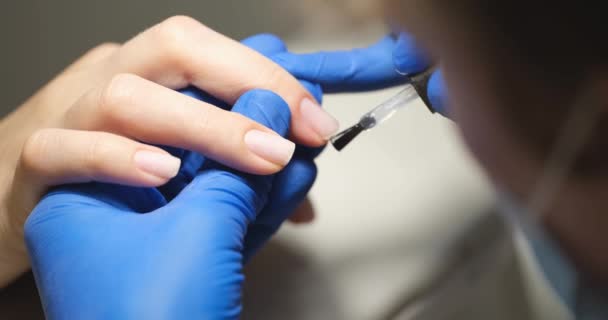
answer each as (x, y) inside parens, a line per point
(359, 69)
(181, 51)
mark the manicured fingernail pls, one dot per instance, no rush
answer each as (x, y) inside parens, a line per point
(270, 146)
(322, 122)
(157, 164)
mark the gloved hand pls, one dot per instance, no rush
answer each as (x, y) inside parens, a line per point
(379, 66)
(268, 45)
(102, 251)
(384, 64)
(408, 58)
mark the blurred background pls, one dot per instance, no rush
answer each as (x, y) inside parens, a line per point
(398, 211)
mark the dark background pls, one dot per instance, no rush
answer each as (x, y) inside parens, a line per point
(41, 37)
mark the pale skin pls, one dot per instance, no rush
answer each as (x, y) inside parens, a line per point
(98, 120)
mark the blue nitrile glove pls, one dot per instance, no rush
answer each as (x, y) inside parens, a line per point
(288, 190)
(266, 44)
(379, 66)
(102, 251)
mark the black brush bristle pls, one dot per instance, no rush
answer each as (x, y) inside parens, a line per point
(344, 138)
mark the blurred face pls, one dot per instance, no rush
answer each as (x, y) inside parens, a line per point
(503, 126)
(475, 102)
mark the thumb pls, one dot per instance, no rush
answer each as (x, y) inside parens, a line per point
(361, 69)
(438, 94)
(408, 57)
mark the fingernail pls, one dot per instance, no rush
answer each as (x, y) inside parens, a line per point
(322, 122)
(157, 164)
(270, 146)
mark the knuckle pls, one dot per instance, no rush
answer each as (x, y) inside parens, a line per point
(180, 23)
(175, 31)
(275, 77)
(117, 94)
(104, 48)
(96, 154)
(174, 36)
(35, 149)
(204, 121)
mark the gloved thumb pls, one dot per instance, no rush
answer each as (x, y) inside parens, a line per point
(408, 57)
(438, 94)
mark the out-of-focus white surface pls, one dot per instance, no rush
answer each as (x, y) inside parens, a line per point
(390, 208)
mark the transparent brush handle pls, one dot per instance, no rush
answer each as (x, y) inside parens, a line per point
(387, 109)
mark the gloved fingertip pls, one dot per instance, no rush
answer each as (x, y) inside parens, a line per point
(265, 43)
(438, 94)
(266, 108)
(407, 56)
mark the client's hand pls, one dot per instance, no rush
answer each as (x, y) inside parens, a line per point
(102, 251)
(101, 119)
